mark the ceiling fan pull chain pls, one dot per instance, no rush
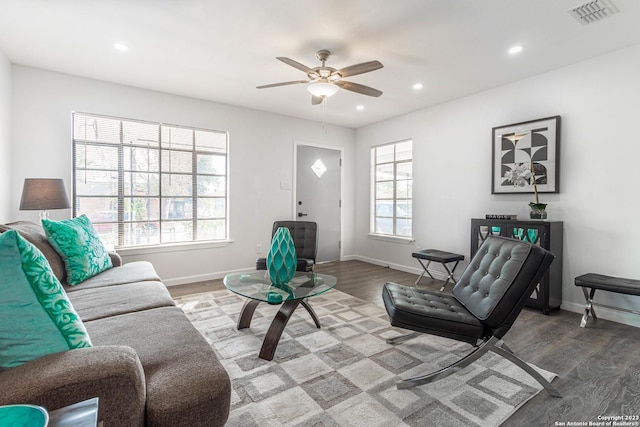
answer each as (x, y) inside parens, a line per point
(324, 113)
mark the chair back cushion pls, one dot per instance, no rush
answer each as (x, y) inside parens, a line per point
(500, 278)
(304, 235)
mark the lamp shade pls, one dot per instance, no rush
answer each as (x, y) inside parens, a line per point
(322, 89)
(43, 194)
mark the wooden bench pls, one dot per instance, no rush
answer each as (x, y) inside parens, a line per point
(591, 281)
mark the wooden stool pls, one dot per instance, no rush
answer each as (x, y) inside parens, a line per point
(442, 257)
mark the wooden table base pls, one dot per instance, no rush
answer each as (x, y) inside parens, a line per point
(280, 320)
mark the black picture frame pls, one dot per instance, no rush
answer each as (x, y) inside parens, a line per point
(534, 141)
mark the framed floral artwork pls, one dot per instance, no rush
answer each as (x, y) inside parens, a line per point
(524, 152)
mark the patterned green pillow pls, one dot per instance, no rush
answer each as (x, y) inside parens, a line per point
(36, 317)
(78, 244)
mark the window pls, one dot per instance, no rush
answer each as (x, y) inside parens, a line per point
(392, 187)
(144, 183)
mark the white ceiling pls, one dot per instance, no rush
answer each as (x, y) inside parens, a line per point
(221, 50)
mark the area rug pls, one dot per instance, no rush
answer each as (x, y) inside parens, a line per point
(344, 374)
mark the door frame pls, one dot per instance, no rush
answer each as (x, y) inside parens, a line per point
(297, 143)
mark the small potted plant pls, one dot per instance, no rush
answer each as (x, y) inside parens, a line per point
(522, 175)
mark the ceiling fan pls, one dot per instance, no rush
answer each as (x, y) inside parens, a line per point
(326, 81)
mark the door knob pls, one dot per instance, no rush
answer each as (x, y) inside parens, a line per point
(300, 214)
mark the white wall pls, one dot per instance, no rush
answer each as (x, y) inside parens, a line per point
(5, 138)
(599, 199)
(261, 156)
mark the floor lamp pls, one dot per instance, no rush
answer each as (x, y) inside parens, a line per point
(43, 194)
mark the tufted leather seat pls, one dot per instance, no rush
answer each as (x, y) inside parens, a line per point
(305, 240)
(484, 303)
(428, 311)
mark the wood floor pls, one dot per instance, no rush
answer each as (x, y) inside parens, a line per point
(598, 366)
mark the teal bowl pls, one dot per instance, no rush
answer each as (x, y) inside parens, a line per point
(23, 416)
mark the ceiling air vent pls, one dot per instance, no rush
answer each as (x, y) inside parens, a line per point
(593, 11)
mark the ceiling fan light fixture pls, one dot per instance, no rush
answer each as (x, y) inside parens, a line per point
(322, 89)
(325, 81)
(516, 49)
(121, 47)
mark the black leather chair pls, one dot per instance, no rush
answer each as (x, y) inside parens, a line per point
(482, 307)
(305, 240)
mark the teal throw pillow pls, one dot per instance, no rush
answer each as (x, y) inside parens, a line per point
(36, 317)
(77, 242)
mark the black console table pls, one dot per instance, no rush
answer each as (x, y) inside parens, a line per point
(548, 294)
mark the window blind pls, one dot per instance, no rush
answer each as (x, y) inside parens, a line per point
(392, 208)
(145, 183)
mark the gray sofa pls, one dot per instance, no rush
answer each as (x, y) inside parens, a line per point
(148, 364)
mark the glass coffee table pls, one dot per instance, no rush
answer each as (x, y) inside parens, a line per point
(257, 287)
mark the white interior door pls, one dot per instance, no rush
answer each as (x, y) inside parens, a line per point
(318, 196)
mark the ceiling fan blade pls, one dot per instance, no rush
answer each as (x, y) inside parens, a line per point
(365, 67)
(358, 88)
(315, 100)
(296, 64)
(282, 84)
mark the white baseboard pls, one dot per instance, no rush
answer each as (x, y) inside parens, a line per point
(603, 313)
(202, 277)
(413, 270)
(220, 274)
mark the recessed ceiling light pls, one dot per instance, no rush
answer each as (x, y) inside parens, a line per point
(516, 49)
(417, 86)
(120, 47)
(360, 107)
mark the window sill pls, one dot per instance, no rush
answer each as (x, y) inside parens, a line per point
(171, 247)
(392, 239)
